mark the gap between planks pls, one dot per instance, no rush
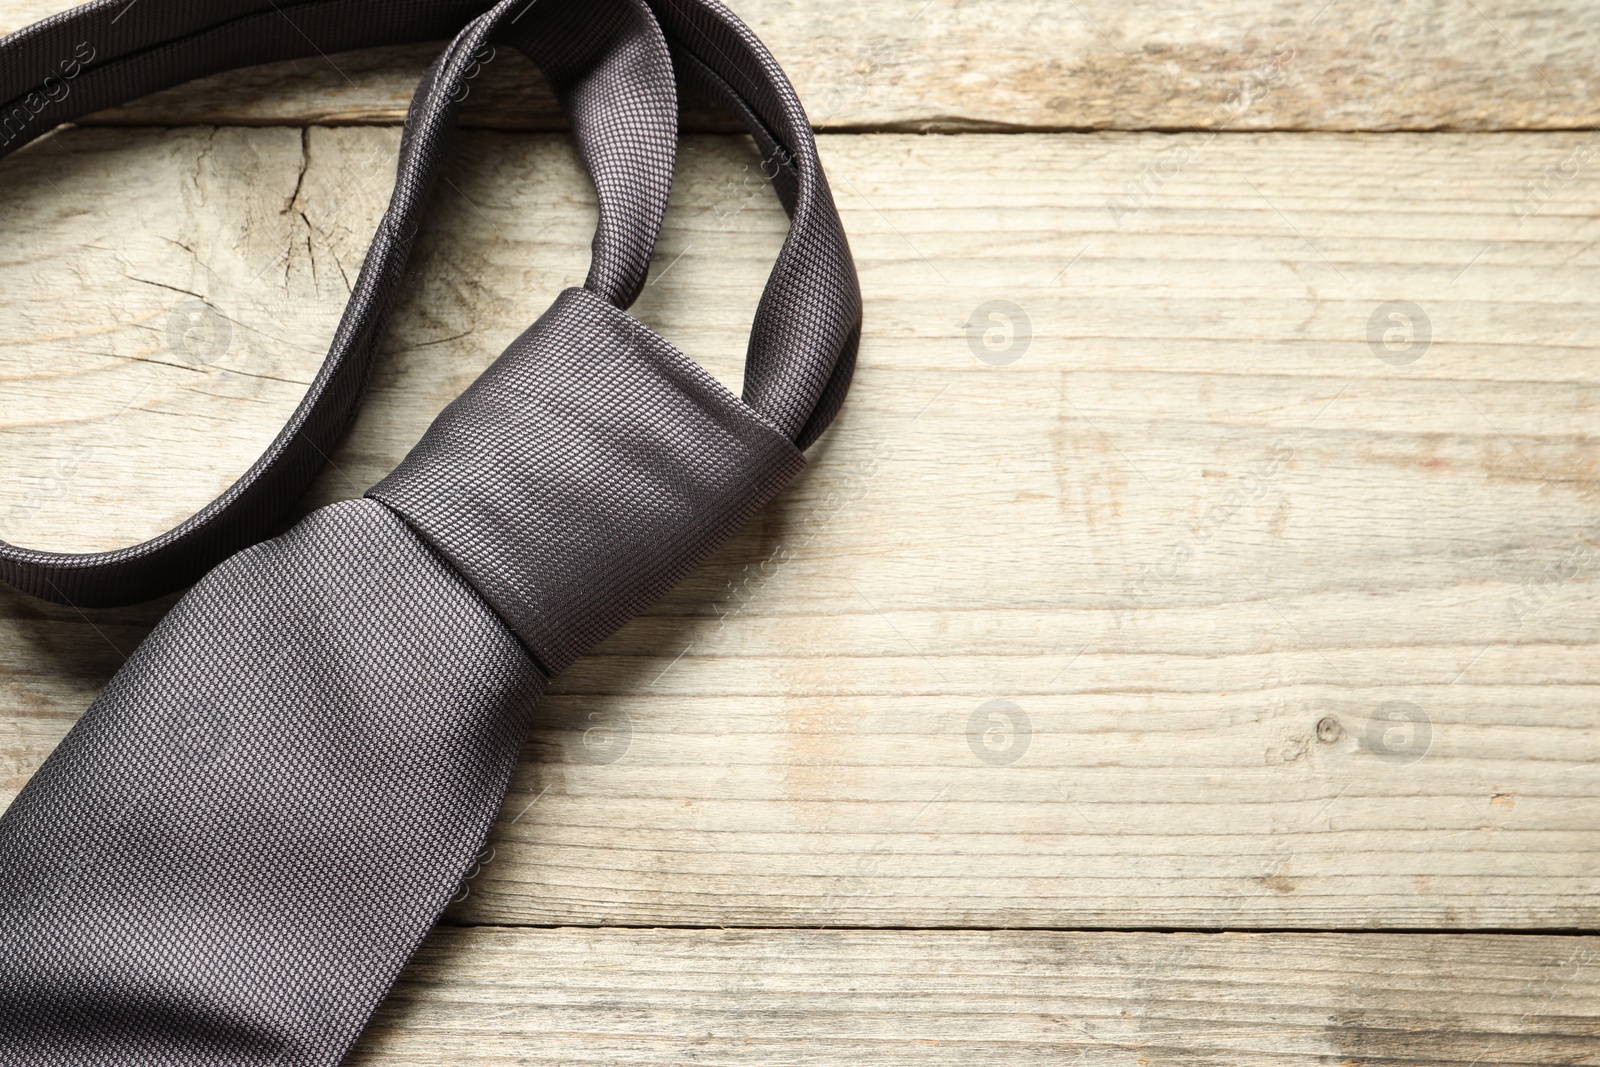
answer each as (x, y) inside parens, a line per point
(487, 996)
(1206, 741)
(1033, 64)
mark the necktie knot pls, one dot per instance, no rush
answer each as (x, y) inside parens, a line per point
(233, 853)
(588, 470)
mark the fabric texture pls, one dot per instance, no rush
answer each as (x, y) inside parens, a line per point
(609, 65)
(233, 853)
(263, 813)
(586, 472)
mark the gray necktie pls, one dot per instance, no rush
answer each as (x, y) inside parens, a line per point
(231, 856)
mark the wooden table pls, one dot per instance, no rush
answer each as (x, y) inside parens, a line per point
(1181, 651)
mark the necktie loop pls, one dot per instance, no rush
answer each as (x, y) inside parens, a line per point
(232, 854)
(615, 66)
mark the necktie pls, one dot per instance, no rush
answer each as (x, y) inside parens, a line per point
(233, 853)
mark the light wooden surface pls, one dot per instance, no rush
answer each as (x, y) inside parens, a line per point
(1035, 65)
(1198, 534)
(573, 996)
(1207, 610)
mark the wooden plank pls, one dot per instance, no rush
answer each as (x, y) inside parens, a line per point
(575, 996)
(1221, 557)
(1035, 65)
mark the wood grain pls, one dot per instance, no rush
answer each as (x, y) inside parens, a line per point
(494, 996)
(1032, 65)
(1210, 541)
(1302, 637)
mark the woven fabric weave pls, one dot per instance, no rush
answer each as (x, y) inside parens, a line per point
(608, 64)
(586, 472)
(231, 856)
